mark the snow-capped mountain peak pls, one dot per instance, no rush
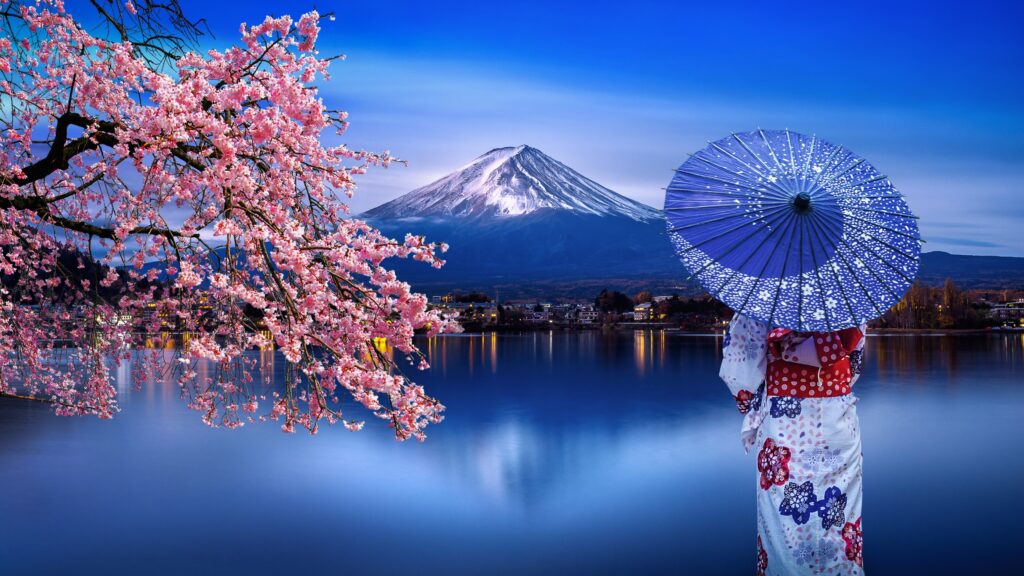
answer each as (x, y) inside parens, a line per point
(513, 181)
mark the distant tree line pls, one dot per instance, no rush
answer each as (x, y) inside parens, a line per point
(471, 298)
(922, 307)
(613, 301)
(942, 307)
(702, 312)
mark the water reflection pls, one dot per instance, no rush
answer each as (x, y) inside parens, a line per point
(640, 351)
(947, 358)
(592, 452)
(483, 351)
(547, 419)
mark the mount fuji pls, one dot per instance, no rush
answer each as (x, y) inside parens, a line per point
(523, 223)
(509, 182)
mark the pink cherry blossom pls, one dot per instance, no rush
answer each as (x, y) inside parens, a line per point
(186, 201)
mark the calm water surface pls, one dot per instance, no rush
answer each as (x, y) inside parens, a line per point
(571, 453)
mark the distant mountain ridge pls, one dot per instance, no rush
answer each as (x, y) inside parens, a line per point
(524, 224)
(519, 221)
(993, 272)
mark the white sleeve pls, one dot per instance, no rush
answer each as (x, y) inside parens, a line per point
(744, 355)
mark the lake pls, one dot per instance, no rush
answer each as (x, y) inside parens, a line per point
(561, 453)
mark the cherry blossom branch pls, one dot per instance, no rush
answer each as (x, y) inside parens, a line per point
(232, 140)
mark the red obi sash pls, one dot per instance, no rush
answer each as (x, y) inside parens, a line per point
(787, 376)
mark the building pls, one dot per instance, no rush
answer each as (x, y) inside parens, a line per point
(643, 312)
(486, 314)
(1009, 313)
(538, 317)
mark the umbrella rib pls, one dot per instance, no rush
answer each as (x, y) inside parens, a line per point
(821, 292)
(784, 194)
(819, 233)
(800, 283)
(698, 191)
(833, 177)
(883, 260)
(872, 272)
(826, 165)
(751, 152)
(768, 198)
(764, 267)
(875, 224)
(891, 247)
(711, 261)
(770, 149)
(749, 256)
(873, 197)
(720, 256)
(885, 243)
(792, 160)
(877, 211)
(681, 208)
(695, 198)
(793, 175)
(730, 230)
(709, 177)
(764, 138)
(789, 175)
(686, 226)
(810, 154)
(737, 158)
(854, 275)
(778, 287)
(868, 181)
(700, 270)
(726, 170)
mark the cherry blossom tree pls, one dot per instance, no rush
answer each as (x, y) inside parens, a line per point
(150, 194)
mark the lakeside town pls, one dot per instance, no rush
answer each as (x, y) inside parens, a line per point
(946, 308)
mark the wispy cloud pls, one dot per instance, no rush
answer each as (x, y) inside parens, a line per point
(968, 242)
(439, 115)
(622, 94)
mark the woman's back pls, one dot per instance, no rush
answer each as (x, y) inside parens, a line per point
(800, 414)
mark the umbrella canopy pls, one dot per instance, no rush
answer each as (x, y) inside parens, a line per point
(792, 230)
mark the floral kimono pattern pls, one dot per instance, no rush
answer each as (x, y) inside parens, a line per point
(794, 389)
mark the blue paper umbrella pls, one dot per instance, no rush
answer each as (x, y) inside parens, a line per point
(792, 230)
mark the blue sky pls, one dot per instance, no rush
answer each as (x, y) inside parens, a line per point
(931, 93)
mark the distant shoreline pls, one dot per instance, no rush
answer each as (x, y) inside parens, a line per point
(938, 331)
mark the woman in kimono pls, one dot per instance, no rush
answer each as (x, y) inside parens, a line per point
(800, 415)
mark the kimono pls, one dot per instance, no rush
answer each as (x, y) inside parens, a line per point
(794, 389)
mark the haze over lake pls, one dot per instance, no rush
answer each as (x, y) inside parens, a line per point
(561, 453)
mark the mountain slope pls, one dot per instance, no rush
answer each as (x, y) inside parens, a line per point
(992, 272)
(515, 216)
(513, 182)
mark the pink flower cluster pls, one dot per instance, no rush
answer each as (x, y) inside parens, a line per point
(228, 232)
